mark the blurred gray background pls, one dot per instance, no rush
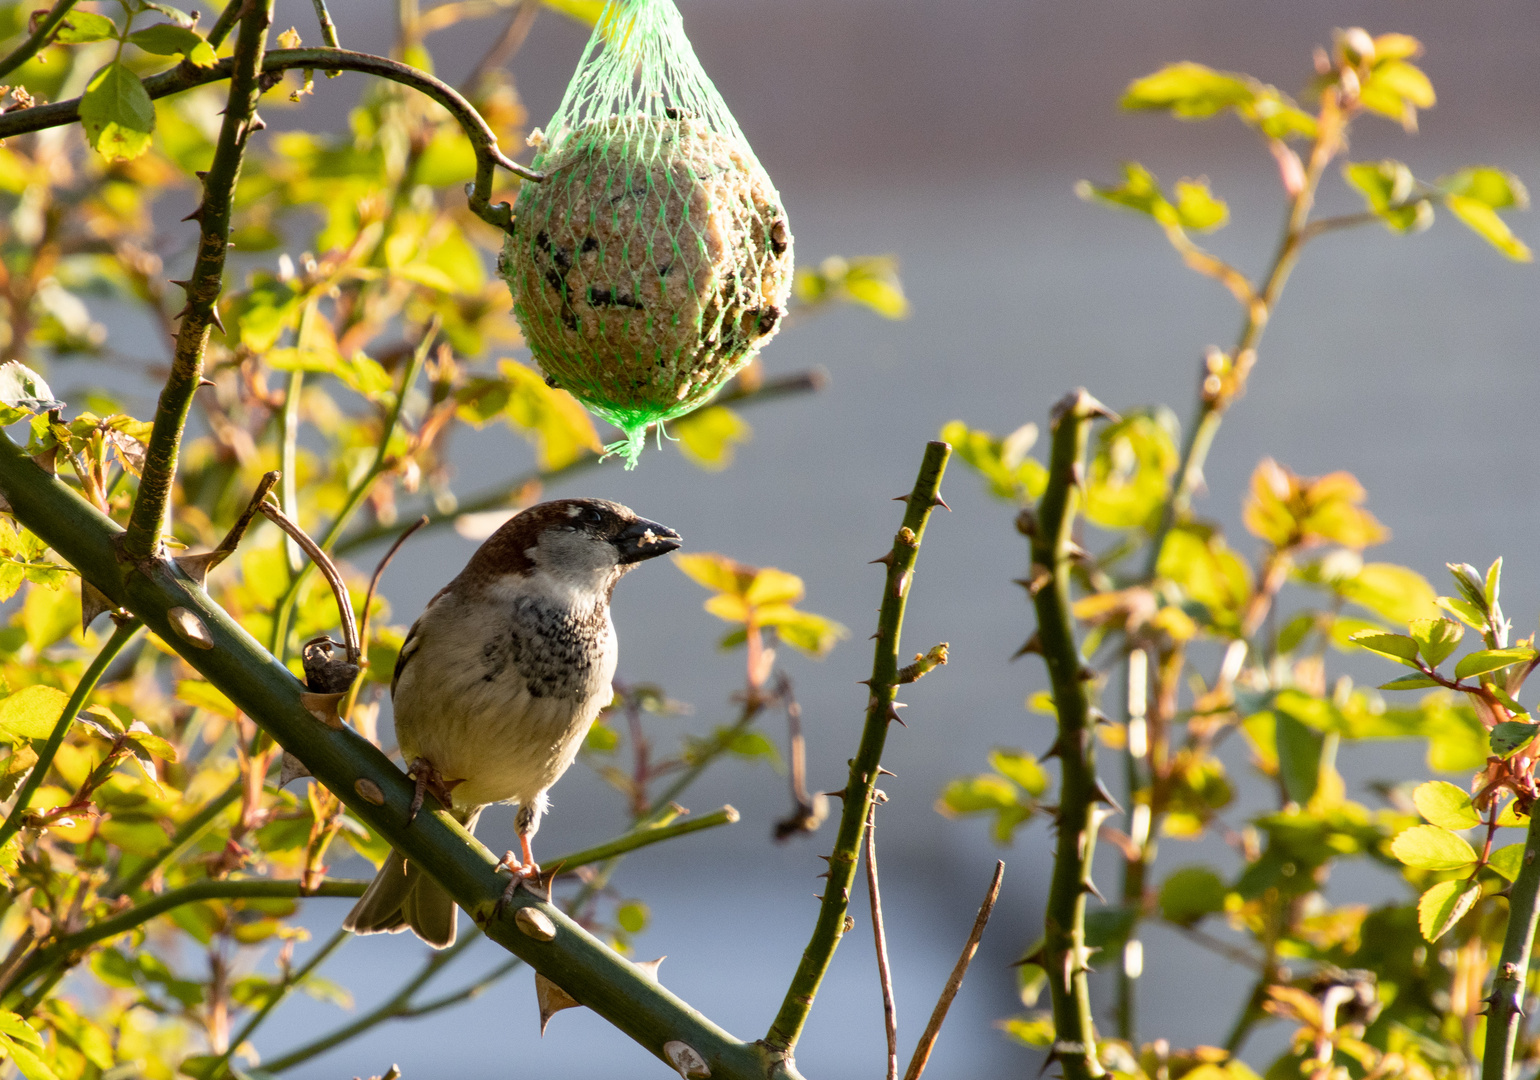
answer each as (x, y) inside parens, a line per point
(950, 134)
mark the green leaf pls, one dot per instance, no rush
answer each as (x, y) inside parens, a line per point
(31, 713)
(1191, 893)
(584, 11)
(1428, 847)
(1392, 592)
(1468, 613)
(167, 39)
(1139, 191)
(1479, 663)
(551, 419)
(30, 1065)
(81, 27)
(1190, 91)
(1507, 860)
(1510, 816)
(632, 916)
(1445, 805)
(976, 794)
(1482, 220)
(117, 113)
(871, 281)
(1196, 207)
(1497, 188)
(707, 436)
(1443, 905)
(1021, 768)
(1510, 737)
(151, 743)
(1388, 189)
(805, 631)
(1003, 463)
(1436, 638)
(1398, 647)
(1414, 681)
(1035, 1031)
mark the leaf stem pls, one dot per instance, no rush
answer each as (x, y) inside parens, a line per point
(121, 635)
(830, 927)
(1506, 1002)
(152, 505)
(1066, 957)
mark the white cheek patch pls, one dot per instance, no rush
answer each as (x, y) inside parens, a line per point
(575, 555)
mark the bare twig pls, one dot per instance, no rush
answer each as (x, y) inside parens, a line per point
(880, 939)
(328, 570)
(808, 811)
(374, 582)
(954, 981)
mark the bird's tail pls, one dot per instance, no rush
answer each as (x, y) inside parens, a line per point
(402, 896)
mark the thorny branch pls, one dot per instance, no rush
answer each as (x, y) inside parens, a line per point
(1065, 956)
(830, 927)
(152, 505)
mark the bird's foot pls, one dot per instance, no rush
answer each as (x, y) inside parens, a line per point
(525, 874)
(427, 778)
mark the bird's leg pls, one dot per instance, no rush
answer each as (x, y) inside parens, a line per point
(427, 778)
(525, 869)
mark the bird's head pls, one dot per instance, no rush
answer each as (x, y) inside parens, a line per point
(583, 544)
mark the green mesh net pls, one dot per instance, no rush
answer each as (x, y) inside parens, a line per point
(655, 259)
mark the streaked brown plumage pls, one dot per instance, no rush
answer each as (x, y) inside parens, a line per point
(500, 678)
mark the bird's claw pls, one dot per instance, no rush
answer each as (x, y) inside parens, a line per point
(426, 778)
(524, 874)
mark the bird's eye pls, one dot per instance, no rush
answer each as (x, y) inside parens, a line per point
(593, 517)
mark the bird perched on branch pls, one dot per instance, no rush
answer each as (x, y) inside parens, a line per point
(499, 680)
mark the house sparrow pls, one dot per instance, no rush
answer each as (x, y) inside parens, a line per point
(499, 680)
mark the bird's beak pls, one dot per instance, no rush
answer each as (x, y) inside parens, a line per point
(645, 540)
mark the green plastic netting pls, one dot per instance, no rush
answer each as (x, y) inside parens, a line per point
(655, 259)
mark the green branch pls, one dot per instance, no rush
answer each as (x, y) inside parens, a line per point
(38, 39)
(830, 927)
(176, 608)
(190, 833)
(1506, 1004)
(1065, 956)
(499, 497)
(152, 505)
(121, 635)
(186, 76)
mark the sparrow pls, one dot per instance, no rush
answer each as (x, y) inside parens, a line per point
(498, 682)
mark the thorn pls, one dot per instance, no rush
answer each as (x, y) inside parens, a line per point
(1096, 716)
(1033, 644)
(183, 285)
(198, 566)
(874, 637)
(823, 875)
(206, 382)
(886, 560)
(840, 794)
(216, 320)
(884, 772)
(901, 498)
(650, 967)
(92, 603)
(1090, 886)
(1075, 551)
(1103, 795)
(826, 858)
(1048, 1059)
(1087, 674)
(863, 682)
(1033, 957)
(893, 714)
(186, 310)
(256, 124)
(323, 707)
(1053, 751)
(291, 770)
(939, 501)
(553, 999)
(196, 215)
(203, 174)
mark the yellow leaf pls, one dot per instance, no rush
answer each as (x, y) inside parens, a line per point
(716, 571)
(728, 608)
(552, 419)
(31, 713)
(707, 437)
(772, 586)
